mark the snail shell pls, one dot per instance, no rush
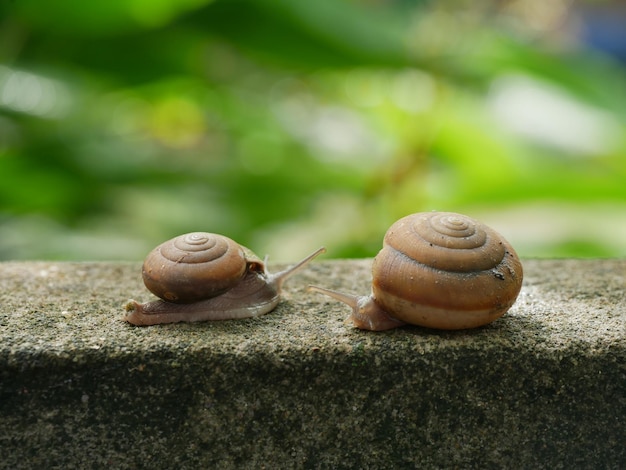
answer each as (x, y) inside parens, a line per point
(438, 270)
(205, 276)
(196, 266)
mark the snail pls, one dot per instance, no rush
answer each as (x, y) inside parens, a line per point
(205, 276)
(437, 270)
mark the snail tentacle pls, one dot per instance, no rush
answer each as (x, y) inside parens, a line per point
(279, 278)
(366, 313)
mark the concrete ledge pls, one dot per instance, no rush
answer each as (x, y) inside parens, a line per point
(542, 387)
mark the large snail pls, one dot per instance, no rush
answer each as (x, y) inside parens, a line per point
(204, 276)
(438, 270)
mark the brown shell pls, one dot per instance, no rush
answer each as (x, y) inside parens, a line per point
(445, 270)
(194, 266)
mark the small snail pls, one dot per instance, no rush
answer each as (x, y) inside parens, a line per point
(204, 276)
(438, 270)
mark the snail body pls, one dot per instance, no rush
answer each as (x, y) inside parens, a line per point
(204, 276)
(437, 270)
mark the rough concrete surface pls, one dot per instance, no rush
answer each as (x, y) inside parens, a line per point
(542, 387)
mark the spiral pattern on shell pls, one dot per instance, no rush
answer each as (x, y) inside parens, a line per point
(193, 267)
(445, 270)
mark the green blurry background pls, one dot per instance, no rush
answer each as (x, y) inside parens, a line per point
(289, 124)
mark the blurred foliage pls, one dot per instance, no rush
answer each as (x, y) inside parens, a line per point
(288, 124)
